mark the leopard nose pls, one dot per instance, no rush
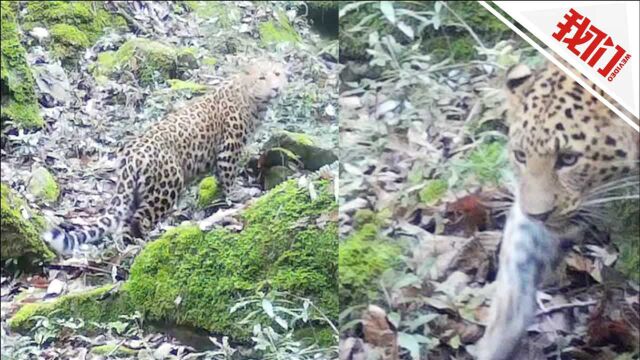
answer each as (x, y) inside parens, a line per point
(541, 216)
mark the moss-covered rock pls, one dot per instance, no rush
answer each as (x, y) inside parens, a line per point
(74, 25)
(93, 306)
(192, 278)
(278, 31)
(276, 175)
(20, 236)
(285, 145)
(148, 60)
(19, 101)
(209, 272)
(43, 185)
(362, 259)
(68, 41)
(88, 17)
(207, 191)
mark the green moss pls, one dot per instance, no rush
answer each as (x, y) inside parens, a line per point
(207, 191)
(148, 60)
(433, 191)
(88, 17)
(113, 350)
(226, 13)
(363, 217)
(276, 175)
(43, 185)
(210, 61)
(20, 237)
(625, 235)
(179, 85)
(19, 101)
(362, 259)
(192, 278)
(68, 41)
(278, 31)
(89, 305)
(487, 162)
(323, 337)
(280, 247)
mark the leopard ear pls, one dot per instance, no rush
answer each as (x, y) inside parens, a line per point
(517, 76)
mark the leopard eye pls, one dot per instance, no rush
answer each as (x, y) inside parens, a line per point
(262, 78)
(566, 159)
(520, 156)
(277, 73)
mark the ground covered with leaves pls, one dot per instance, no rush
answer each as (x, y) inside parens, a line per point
(424, 188)
(102, 72)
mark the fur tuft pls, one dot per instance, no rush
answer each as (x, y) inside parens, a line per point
(527, 253)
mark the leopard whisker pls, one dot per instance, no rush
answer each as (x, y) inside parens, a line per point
(631, 180)
(610, 199)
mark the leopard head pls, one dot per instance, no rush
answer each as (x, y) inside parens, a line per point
(568, 150)
(264, 79)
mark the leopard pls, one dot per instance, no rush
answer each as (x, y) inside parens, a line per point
(568, 152)
(210, 132)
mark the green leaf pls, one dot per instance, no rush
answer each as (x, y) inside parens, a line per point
(409, 342)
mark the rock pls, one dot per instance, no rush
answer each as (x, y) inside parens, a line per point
(301, 146)
(186, 60)
(43, 185)
(19, 100)
(20, 229)
(105, 310)
(39, 33)
(207, 191)
(276, 175)
(281, 248)
(53, 83)
(150, 61)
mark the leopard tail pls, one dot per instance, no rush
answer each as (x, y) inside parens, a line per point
(66, 237)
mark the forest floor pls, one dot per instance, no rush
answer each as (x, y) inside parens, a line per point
(87, 118)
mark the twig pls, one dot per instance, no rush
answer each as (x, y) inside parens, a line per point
(565, 306)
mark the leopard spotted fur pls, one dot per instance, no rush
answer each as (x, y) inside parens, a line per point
(208, 133)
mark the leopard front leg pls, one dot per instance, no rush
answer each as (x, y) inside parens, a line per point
(227, 166)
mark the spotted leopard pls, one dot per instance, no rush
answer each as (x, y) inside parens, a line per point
(568, 152)
(209, 132)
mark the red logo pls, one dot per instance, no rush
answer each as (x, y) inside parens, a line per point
(598, 43)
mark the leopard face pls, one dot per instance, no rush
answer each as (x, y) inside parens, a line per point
(264, 79)
(566, 147)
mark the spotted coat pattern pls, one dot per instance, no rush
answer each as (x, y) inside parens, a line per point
(208, 133)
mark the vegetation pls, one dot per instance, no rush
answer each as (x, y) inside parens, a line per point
(21, 244)
(19, 102)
